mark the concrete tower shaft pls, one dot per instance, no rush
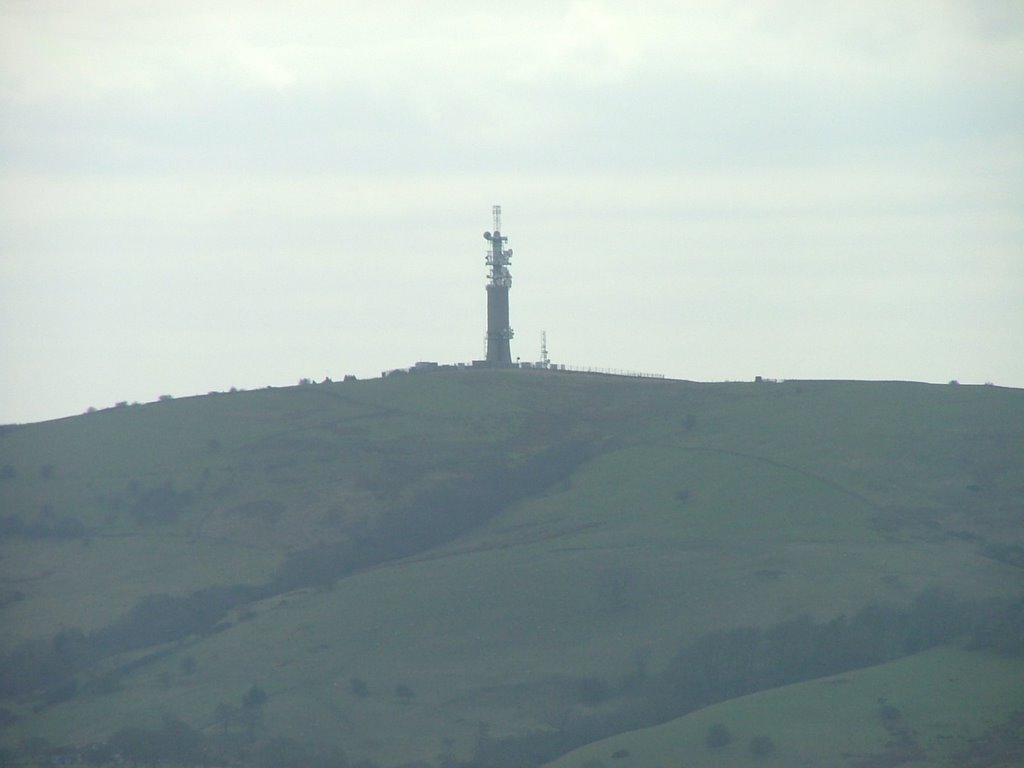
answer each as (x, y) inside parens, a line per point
(499, 280)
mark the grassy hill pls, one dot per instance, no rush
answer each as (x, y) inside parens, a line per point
(453, 566)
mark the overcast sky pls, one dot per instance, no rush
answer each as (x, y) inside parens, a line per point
(200, 195)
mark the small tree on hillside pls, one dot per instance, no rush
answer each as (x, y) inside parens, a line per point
(359, 687)
(252, 710)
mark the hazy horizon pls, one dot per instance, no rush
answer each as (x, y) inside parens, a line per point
(199, 196)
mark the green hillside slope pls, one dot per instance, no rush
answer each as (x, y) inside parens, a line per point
(944, 707)
(451, 566)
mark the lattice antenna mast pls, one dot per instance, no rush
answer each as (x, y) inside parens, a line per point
(498, 258)
(544, 359)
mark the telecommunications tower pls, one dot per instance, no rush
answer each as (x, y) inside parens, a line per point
(499, 280)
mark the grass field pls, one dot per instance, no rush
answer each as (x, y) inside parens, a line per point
(704, 507)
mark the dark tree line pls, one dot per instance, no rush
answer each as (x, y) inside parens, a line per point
(154, 620)
(175, 743)
(735, 662)
(61, 528)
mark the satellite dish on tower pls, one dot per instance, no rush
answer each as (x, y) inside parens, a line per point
(487, 235)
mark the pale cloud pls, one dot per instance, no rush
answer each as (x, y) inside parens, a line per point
(197, 194)
(81, 51)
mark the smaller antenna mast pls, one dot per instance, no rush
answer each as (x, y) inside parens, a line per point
(496, 210)
(544, 349)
